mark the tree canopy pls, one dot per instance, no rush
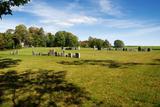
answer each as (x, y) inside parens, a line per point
(34, 36)
(99, 43)
(5, 6)
(67, 39)
(37, 37)
(118, 44)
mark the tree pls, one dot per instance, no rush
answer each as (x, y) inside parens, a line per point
(106, 44)
(139, 48)
(60, 38)
(91, 42)
(63, 38)
(71, 40)
(21, 34)
(42, 38)
(99, 43)
(37, 36)
(84, 44)
(8, 38)
(118, 44)
(5, 6)
(2, 41)
(74, 41)
(50, 40)
(9, 31)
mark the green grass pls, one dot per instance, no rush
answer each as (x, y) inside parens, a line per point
(152, 47)
(112, 78)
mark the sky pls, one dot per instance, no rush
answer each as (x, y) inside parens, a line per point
(136, 22)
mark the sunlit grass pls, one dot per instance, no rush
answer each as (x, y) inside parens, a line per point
(134, 82)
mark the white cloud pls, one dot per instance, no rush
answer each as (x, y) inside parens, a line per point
(148, 30)
(108, 7)
(8, 24)
(50, 15)
(124, 23)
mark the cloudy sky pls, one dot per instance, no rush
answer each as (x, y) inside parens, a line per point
(137, 22)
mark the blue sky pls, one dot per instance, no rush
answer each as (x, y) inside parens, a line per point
(136, 22)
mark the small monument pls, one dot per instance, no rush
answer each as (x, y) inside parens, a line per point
(70, 55)
(77, 55)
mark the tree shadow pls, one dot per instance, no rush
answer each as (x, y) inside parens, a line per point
(43, 88)
(157, 60)
(106, 63)
(8, 62)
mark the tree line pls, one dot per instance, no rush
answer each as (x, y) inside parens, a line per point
(34, 36)
(100, 43)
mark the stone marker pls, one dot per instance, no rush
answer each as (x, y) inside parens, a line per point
(63, 54)
(33, 53)
(56, 54)
(16, 52)
(77, 55)
(78, 48)
(94, 48)
(52, 52)
(70, 55)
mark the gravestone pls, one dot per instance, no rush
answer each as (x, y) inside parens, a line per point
(51, 52)
(149, 49)
(33, 53)
(94, 48)
(77, 55)
(78, 48)
(144, 50)
(56, 54)
(70, 55)
(63, 54)
(59, 54)
(15, 52)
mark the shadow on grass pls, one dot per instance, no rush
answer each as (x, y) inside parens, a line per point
(41, 89)
(107, 63)
(8, 62)
(157, 60)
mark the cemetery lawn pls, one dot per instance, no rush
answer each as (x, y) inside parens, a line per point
(111, 78)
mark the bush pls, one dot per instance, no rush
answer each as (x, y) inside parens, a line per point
(99, 48)
(118, 44)
(139, 48)
(149, 49)
(124, 49)
(18, 46)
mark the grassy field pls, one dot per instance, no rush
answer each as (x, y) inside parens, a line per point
(97, 79)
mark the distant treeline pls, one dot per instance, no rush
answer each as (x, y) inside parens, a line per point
(100, 43)
(33, 36)
(22, 36)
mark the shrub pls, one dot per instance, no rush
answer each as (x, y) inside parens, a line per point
(139, 48)
(118, 44)
(99, 47)
(149, 49)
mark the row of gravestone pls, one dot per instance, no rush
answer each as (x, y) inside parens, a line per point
(129, 49)
(70, 48)
(14, 52)
(54, 53)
